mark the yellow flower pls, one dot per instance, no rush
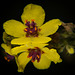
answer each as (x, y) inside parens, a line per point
(38, 54)
(32, 36)
(33, 17)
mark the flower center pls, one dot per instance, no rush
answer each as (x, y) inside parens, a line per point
(32, 29)
(35, 54)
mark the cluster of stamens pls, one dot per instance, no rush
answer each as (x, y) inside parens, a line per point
(8, 57)
(35, 54)
(32, 29)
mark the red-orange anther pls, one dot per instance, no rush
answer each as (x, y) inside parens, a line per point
(32, 20)
(25, 21)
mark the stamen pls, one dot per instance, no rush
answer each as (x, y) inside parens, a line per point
(25, 21)
(38, 56)
(34, 54)
(35, 28)
(5, 58)
(30, 31)
(25, 29)
(30, 57)
(32, 20)
(8, 60)
(8, 57)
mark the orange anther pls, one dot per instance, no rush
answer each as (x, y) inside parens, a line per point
(25, 21)
(5, 58)
(30, 31)
(35, 28)
(32, 20)
(38, 56)
(25, 29)
(30, 57)
(8, 60)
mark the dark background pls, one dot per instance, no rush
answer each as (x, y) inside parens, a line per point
(60, 9)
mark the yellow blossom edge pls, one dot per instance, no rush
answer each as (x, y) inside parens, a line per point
(24, 40)
(50, 27)
(20, 41)
(33, 11)
(20, 67)
(14, 28)
(6, 48)
(52, 55)
(22, 61)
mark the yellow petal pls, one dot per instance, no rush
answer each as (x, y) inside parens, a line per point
(19, 49)
(53, 55)
(41, 39)
(14, 28)
(45, 49)
(43, 64)
(50, 27)
(32, 11)
(34, 40)
(20, 41)
(20, 68)
(23, 60)
(6, 48)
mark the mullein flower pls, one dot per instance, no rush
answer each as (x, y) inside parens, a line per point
(38, 54)
(32, 36)
(33, 17)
